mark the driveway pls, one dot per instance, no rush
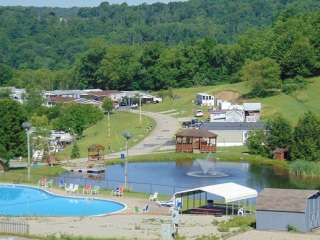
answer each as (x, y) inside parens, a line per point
(161, 138)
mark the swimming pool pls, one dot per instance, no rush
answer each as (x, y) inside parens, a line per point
(18, 200)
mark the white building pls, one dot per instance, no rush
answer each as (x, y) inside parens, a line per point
(252, 111)
(232, 115)
(204, 99)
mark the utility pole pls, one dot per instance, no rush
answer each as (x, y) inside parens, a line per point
(109, 128)
(140, 110)
(127, 136)
(27, 127)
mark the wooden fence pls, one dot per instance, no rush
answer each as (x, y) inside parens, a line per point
(14, 227)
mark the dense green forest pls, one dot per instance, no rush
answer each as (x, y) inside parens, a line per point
(183, 44)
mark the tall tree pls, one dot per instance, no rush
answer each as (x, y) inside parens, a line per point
(306, 140)
(279, 133)
(13, 137)
(263, 76)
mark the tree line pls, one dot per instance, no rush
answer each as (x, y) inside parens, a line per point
(272, 59)
(52, 38)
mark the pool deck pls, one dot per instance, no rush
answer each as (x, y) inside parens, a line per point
(124, 225)
(131, 225)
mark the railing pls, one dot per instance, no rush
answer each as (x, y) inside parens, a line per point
(184, 147)
(133, 186)
(14, 227)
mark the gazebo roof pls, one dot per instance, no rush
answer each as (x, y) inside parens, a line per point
(196, 133)
(95, 147)
(229, 192)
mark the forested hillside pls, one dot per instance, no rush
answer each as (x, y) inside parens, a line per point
(199, 42)
(52, 37)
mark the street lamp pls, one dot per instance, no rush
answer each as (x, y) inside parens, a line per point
(127, 136)
(27, 126)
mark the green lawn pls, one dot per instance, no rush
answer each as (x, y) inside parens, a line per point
(230, 154)
(120, 122)
(290, 106)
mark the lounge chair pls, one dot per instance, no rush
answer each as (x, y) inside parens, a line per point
(118, 191)
(146, 208)
(154, 197)
(75, 189)
(68, 188)
(143, 210)
(87, 189)
(177, 203)
(96, 190)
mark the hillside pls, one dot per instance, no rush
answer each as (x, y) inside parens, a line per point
(289, 106)
(53, 37)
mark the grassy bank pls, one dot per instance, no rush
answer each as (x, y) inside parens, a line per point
(120, 122)
(20, 175)
(290, 106)
(230, 154)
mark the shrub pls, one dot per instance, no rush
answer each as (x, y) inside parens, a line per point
(237, 222)
(303, 168)
(292, 228)
(293, 84)
(75, 152)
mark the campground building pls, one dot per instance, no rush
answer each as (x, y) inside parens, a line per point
(232, 133)
(204, 99)
(279, 209)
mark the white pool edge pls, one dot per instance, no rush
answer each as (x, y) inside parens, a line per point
(125, 207)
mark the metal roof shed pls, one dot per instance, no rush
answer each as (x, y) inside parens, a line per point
(277, 209)
(227, 192)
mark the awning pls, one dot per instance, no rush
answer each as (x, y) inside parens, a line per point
(229, 192)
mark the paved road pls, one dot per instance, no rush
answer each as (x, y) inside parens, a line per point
(161, 138)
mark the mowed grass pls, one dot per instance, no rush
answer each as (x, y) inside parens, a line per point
(120, 122)
(184, 101)
(289, 106)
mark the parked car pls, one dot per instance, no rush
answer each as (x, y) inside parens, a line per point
(157, 100)
(199, 113)
(194, 123)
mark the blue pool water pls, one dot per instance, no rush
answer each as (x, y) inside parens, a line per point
(28, 201)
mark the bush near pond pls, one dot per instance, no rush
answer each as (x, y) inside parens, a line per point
(243, 223)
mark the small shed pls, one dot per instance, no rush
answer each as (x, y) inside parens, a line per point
(96, 152)
(190, 140)
(278, 209)
(280, 154)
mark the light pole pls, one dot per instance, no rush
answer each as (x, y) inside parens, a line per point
(127, 136)
(140, 110)
(27, 127)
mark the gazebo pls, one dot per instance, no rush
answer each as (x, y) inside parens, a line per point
(216, 199)
(190, 140)
(96, 152)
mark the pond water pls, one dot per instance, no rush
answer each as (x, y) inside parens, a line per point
(169, 177)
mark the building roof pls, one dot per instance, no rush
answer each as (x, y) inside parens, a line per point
(59, 99)
(229, 192)
(104, 93)
(284, 200)
(252, 106)
(215, 126)
(203, 94)
(197, 133)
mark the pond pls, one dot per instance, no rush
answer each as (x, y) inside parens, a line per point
(169, 177)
